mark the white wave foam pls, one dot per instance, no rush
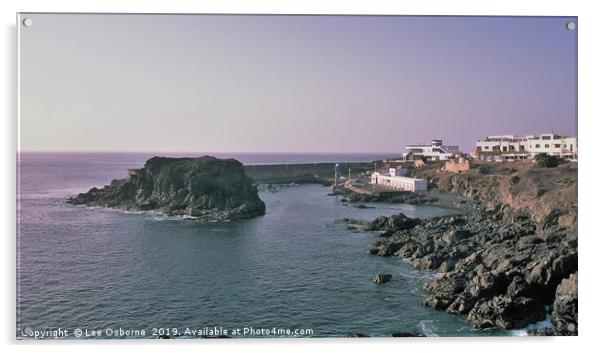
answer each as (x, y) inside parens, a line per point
(545, 323)
(427, 327)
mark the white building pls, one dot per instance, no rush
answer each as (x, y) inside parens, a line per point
(510, 147)
(502, 147)
(398, 171)
(435, 151)
(396, 180)
(554, 145)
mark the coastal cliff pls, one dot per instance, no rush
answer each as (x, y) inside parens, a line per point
(510, 260)
(206, 188)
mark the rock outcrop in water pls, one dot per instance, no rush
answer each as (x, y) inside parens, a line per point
(382, 278)
(206, 188)
(511, 255)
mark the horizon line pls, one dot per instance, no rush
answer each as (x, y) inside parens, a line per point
(206, 152)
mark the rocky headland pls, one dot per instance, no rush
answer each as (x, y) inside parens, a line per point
(510, 259)
(204, 188)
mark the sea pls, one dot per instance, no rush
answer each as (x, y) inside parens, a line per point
(294, 272)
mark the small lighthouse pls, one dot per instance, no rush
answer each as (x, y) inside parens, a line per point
(337, 174)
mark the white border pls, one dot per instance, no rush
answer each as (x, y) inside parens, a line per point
(590, 113)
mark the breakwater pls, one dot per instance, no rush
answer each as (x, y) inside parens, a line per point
(303, 173)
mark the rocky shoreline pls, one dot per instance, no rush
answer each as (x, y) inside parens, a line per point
(392, 197)
(509, 260)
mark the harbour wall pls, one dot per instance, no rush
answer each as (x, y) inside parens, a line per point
(322, 173)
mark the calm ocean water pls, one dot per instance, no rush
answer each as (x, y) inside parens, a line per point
(294, 268)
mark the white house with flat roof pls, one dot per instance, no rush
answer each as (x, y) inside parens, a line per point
(395, 179)
(502, 147)
(434, 151)
(552, 144)
(510, 147)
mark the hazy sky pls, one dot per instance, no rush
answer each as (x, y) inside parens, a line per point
(211, 83)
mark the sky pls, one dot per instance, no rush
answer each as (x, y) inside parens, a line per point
(234, 83)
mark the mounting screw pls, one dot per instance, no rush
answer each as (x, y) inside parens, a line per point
(571, 25)
(27, 22)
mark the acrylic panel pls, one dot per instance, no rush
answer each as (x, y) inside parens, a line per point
(296, 176)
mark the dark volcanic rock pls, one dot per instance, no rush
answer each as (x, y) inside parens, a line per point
(394, 222)
(430, 261)
(406, 197)
(507, 313)
(456, 235)
(205, 188)
(486, 285)
(462, 305)
(382, 278)
(488, 277)
(564, 313)
(406, 334)
(520, 288)
(444, 291)
(512, 253)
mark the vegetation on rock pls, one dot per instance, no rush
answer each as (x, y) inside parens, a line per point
(544, 160)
